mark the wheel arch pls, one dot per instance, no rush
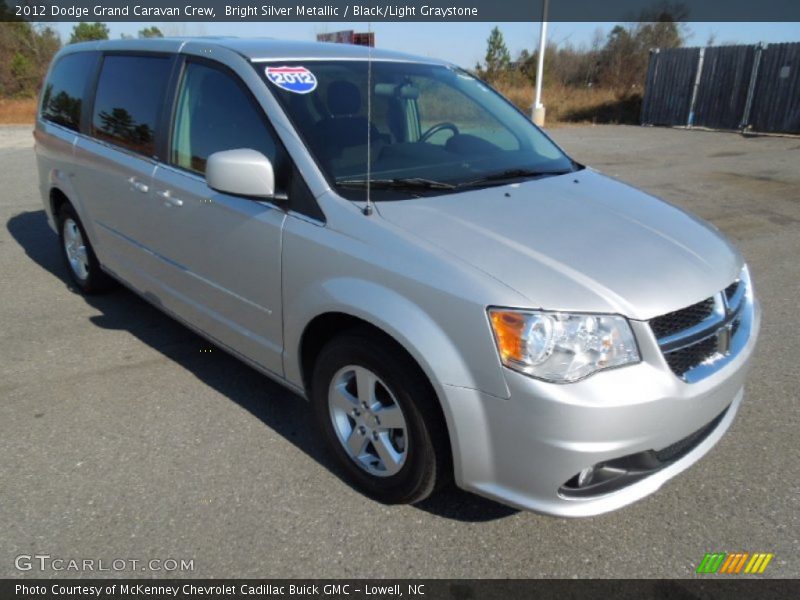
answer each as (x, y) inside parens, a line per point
(62, 193)
(328, 307)
(336, 303)
(329, 325)
(58, 199)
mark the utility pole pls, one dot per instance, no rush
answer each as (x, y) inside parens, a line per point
(538, 107)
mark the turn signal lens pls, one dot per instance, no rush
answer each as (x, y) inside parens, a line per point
(508, 332)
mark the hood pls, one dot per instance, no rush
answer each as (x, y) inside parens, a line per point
(580, 242)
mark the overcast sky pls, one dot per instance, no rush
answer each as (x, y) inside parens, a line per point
(461, 43)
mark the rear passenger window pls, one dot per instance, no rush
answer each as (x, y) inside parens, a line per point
(130, 93)
(62, 97)
(215, 113)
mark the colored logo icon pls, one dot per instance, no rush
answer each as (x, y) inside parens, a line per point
(292, 79)
(735, 563)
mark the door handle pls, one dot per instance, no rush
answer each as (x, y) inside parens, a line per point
(169, 199)
(138, 185)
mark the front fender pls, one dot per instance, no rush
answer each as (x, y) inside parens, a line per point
(387, 310)
(408, 324)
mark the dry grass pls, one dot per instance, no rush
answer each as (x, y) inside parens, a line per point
(17, 111)
(564, 105)
(577, 105)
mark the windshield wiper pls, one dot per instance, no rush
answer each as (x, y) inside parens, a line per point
(512, 174)
(420, 183)
(417, 183)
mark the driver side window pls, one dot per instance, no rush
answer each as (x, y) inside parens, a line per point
(438, 104)
(214, 113)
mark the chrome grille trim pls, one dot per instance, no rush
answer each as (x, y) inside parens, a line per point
(678, 320)
(697, 332)
(735, 298)
(728, 325)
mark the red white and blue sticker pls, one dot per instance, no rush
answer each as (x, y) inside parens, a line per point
(292, 79)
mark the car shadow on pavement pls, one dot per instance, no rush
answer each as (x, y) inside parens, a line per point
(278, 408)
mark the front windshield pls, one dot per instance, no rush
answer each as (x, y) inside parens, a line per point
(430, 127)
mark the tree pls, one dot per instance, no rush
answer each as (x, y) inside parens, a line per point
(616, 58)
(497, 58)
(150, 32)
(87, 32)
(624, 59)
(118, 123)
(564, 65)
(660, 34)
(27, 50)
(62, 108)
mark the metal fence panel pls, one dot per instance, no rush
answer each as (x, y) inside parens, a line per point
(668, 89)
(776, 103)
(722, 89)
(754, 87)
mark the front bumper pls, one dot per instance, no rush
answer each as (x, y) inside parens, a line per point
(522, 450)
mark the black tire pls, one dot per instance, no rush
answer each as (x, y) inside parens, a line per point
(96, 280)
(428, 464)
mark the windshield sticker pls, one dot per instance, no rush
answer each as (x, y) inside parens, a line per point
(292, 79)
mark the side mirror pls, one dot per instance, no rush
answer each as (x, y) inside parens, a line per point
(242, 172)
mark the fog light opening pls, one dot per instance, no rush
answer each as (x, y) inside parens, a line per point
(585, 477)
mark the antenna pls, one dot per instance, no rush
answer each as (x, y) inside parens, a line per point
(368, 206)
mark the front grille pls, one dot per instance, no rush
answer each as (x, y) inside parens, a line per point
(682, 319)
(688, 357)
(701, 334)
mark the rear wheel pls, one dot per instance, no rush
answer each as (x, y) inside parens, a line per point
(379, 417)
(82, 264)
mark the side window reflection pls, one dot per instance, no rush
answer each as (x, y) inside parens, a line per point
(129, 96)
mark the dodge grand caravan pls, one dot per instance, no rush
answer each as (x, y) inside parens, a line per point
(391, 239)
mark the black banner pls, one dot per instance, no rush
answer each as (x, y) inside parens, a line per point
(711, 588)
(403, 10)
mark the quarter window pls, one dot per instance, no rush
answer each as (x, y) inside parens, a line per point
(62, 98)
(215, 113)
(129, 97)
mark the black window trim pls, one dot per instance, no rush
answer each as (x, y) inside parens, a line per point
(170, 112)
(88, 91)
(158, 129)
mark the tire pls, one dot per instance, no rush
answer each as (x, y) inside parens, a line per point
(78, 254)
(404, 458)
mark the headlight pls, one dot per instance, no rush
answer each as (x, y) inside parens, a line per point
(561, 347)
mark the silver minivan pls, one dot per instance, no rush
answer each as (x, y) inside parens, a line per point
(392, 240)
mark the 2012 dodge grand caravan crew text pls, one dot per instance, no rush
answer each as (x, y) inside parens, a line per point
(390, 238)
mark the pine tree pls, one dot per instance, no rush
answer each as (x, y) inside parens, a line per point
(498, 58)
(87, 32)
(150, 32)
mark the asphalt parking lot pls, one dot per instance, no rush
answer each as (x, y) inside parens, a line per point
(121, 439)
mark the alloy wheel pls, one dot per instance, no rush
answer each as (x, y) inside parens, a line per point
(77, 255)
(368, 421)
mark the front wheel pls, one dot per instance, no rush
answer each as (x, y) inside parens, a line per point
(379, 417)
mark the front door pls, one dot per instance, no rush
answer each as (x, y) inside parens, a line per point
(220, 255)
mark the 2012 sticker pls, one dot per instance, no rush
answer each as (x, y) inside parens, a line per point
(298, 80)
